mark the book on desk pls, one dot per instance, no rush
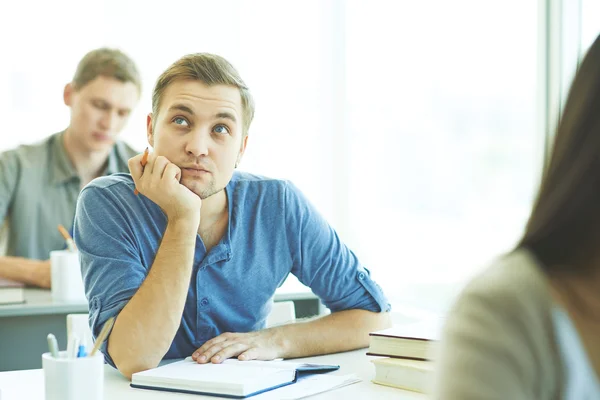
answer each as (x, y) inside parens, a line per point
(11, 292)
(416, 341)
(409, 350)
(231, 378)
(406, 374)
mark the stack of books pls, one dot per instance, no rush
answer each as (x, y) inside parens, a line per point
(408, 351)
(11, 292)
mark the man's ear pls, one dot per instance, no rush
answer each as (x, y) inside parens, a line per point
(149, 130)
(242, 150)
(68, 94)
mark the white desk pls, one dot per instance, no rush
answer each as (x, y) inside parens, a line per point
(23, 327)
(29, 384)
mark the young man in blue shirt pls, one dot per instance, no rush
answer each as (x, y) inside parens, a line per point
(190, 266)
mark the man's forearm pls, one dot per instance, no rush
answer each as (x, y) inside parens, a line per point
(340, 331)
(31, 272)
(145, 328)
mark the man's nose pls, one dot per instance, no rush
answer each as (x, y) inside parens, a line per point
(109, 121)
(197, 145)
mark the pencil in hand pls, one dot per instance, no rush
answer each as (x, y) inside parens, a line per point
(103, 335)
(68, 238)
(143, 163)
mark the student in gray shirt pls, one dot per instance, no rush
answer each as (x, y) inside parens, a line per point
(40, 183)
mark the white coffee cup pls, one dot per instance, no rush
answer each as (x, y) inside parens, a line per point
(73, 378)
(66, 281)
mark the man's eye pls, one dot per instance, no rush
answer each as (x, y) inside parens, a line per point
(221, 129)
(101, 105)
(180, 121)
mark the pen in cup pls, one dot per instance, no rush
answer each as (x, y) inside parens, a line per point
(143, 162)
(73, 346)
(81, 352)
(68, 238)
(52, 345)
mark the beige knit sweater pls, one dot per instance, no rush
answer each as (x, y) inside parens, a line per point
(498, 342)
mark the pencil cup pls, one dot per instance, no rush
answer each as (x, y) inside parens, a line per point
(73, 378)
(66, 281)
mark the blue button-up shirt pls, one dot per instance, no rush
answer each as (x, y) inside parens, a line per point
(272, 231)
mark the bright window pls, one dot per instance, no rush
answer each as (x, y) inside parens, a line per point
(444, 149)
(590, 23)
(411, 125)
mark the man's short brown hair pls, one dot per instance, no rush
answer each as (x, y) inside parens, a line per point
(106, 62)
(211, 70)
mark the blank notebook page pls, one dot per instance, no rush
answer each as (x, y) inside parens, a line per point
(232, 374)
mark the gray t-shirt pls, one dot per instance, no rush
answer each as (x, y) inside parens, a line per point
(38, 190)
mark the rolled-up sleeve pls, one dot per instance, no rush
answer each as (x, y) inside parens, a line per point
(322, 261)
(111, 266)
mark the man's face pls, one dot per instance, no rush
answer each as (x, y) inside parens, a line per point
(199, 129)
(99, 111)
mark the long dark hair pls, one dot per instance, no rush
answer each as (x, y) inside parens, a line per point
(564, 227)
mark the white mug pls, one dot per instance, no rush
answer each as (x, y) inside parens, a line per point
(73, 378)
(66, 281)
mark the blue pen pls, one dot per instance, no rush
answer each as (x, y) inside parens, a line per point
(81, 352)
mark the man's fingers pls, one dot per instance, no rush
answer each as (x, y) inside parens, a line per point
(206, 346)
(158, 168)
(210, 343)
(149, 167)
(135, 168)
(244, 346)
(250, 354)
(208, 354)
(229, 351)
(172, 171)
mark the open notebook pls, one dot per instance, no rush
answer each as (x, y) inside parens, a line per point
(232, 378)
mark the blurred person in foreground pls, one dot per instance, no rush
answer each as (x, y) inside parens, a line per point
(528, 327)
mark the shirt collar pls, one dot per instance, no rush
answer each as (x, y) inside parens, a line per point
(63, 169)
(112, 167)
(223, 250)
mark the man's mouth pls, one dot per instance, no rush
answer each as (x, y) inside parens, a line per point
(104, 137)
(195, 171)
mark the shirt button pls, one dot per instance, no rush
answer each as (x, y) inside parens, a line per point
(361, 276)
(204, 301)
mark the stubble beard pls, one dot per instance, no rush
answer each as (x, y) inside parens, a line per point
(208, 191)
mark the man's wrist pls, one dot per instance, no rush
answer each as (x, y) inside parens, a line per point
(282, 341)
(184, 226)
(40, 273)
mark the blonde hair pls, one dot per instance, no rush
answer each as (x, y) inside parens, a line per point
(210, 69)
(107, 62)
